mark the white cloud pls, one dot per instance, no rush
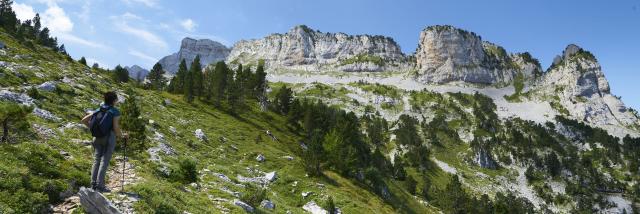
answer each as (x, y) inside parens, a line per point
(188, 25)
(57, 20)
(23, 11)
(149, 59)
(70, 38)
(123, 24)
(148, 3)
(85, 13)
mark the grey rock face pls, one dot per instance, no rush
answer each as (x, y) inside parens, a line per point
(95, 203)
(208, 50)
(243, 205)
(483, 159)
(137, 72)
(267, 205)
(47, 86)
(578, 82)
(305, 49)
(448, 54)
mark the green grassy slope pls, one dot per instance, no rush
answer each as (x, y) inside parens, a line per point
(35, 171)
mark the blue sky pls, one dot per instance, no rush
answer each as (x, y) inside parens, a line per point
(129, 32)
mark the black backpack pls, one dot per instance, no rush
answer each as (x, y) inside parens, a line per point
(101, 122)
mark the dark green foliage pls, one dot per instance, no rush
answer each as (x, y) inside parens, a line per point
(253, 195)
(330, 206)
(12, 118)
(364, 58)
(83, 61)
(312, 156)
(411, 184)
(177, 82)
(376, 128)
(34, 93)
(120, 74)
(407, 132)
(186, 172)
(219, 80)
(133, 123)
(283, 100)
(553, 164)
(156, 77)
(399, 172)
(196, 77)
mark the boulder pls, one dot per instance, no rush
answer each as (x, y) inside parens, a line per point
(313, 208)
(271, 176)
(200, 135)
(47, 86)
(260, 158)
(266, 204)
(95, 203)
(243, 205)
(173, 130)
(16, 97)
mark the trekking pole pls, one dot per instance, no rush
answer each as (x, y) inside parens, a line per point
(124, 163)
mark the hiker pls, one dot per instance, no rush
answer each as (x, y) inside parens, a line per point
(105, 127)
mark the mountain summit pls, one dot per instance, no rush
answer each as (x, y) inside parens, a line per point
(208, 50)
(303, 48)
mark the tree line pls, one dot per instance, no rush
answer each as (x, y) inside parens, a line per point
(27, 30)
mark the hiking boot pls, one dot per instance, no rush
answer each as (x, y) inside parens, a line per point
(94, 186)
(103, 190)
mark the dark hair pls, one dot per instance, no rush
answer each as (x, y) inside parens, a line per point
(110, 98)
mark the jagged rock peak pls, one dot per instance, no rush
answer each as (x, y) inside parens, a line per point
(209, 51)
(137, 72)
(573, 51)
(446, 54)
(303, 48)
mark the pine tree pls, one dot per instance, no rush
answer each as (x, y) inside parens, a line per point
(95, 66)
(197, 77)
(219, 82)
(234, 92)
(260, 85)
(283, 100)
(83, 61)
(188, 86)
(177, 83)
(132, 121)
(120, 74)
(8, 16)
(156, 77)
(37, 25)
(312, 156)
(11, 115)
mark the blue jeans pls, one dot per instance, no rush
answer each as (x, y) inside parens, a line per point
(103, 150)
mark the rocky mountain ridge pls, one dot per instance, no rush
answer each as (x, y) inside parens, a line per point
(574, 85)
(208, 50)
(303, 48)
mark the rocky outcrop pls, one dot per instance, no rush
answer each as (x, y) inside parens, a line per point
(137, 72)
(303, 48)
(447, 54)
(95, 203)
(575, 81)
(208, 50)
(314, 208)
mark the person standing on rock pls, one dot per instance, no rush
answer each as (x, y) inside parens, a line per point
(104, 124)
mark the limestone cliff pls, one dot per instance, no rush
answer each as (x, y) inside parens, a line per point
(305, 49)
(208, 50)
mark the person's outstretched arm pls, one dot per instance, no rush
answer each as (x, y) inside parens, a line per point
(85, 120)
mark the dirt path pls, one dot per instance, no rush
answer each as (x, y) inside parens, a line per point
(122, 200)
